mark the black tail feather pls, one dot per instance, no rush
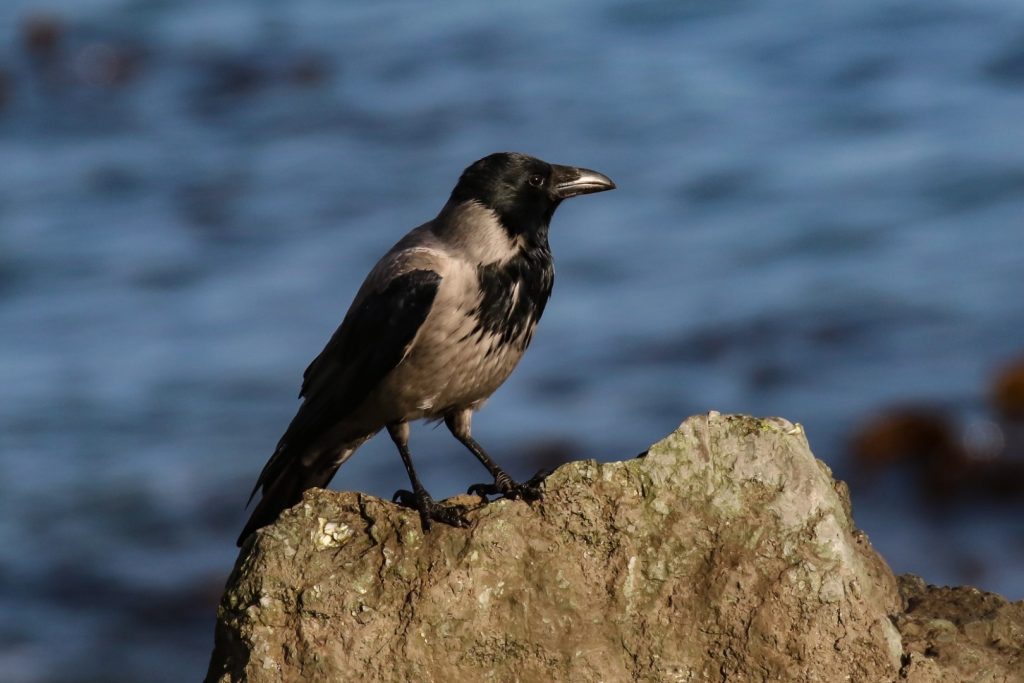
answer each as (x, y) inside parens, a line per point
(284, 492)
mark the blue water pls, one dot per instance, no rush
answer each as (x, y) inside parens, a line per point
(819, 213)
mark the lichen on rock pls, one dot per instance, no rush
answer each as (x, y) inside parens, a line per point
(726, 553)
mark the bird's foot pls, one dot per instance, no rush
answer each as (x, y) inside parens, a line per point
(503, 485)
(452, 515)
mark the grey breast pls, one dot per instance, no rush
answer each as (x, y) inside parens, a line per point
(452, 363)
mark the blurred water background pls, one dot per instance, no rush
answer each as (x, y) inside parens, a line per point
(819, 215)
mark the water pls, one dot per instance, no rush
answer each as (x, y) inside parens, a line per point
(820, 213)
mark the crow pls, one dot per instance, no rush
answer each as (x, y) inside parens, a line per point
(439, 324)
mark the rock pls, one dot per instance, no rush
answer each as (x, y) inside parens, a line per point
(725, 553)
(960, 634)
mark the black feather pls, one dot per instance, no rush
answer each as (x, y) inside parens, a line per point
(373, 339)
(514, 292)
(512, 319)
(501, 182)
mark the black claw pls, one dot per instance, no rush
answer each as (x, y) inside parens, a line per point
(404, 498)
(452, 515)
(538, 479)
(483, 490)
(424, 521)
(503, 486)
(528, 492)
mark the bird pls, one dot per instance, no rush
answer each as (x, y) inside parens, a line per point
(439, 323)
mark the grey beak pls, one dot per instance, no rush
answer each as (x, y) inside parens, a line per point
(569, 181)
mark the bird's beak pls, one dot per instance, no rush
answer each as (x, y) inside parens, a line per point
(569, 181)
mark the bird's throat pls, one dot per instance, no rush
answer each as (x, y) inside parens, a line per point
(514, 294)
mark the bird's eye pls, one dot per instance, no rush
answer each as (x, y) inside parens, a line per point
(537, 180)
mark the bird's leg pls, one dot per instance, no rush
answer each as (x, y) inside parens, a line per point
(458, 424)
(418, 498)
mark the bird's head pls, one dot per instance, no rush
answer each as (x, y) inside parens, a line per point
(523, 190)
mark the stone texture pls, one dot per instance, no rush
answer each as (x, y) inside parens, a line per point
(960, 634)
(726, 553)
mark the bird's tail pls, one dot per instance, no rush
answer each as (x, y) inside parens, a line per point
(285, 492)
(283, 479)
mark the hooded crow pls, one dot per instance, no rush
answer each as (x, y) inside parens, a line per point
(439, 323)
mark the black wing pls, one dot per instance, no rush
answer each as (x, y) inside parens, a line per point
(373, 339)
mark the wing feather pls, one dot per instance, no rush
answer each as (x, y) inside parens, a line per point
(373, 338)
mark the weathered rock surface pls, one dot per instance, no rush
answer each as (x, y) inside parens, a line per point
(726, 553)
(960, 634)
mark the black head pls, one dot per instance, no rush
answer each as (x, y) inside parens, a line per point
(525, 191)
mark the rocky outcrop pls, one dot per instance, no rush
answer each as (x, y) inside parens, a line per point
(960, 634)
(726, 553)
